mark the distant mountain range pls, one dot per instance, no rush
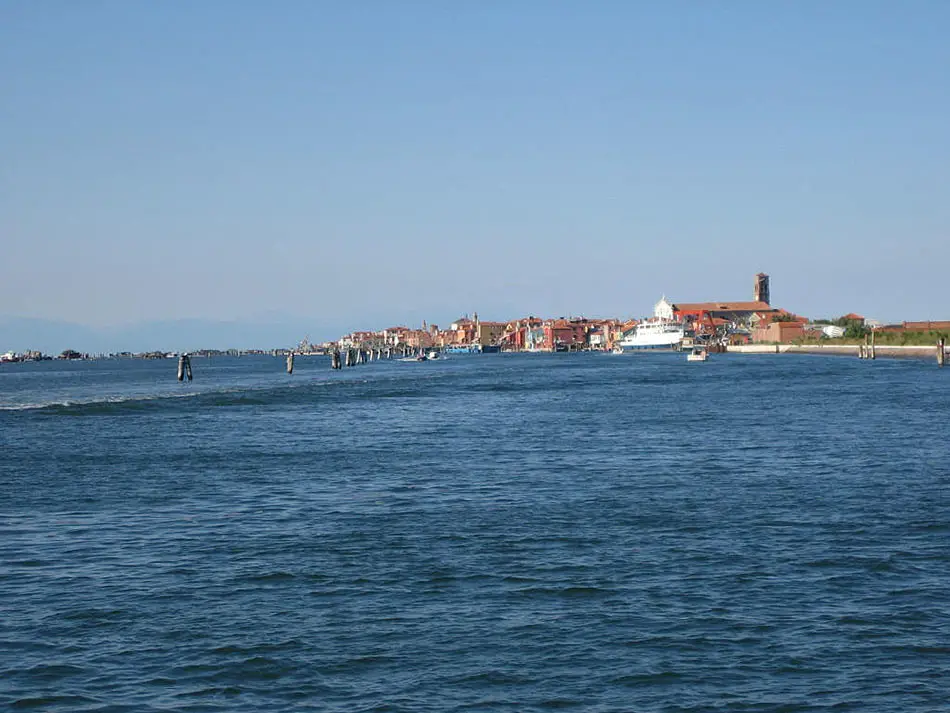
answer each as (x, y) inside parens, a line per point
(20, 334)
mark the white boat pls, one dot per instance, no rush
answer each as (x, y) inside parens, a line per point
(661, 331)
(698, 354)
(433, 354)
(655, 333)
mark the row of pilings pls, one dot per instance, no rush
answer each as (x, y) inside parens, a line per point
(353, 356)
(869, 351)
(338, 358)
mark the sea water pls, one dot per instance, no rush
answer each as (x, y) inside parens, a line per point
(483, 533)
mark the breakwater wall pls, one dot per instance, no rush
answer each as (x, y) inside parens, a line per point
(853, 350)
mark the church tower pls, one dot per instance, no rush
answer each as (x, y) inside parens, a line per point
(761, 291)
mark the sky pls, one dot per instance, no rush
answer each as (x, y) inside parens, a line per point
(336, 165)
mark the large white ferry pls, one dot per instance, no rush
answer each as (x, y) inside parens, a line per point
(662, 331)
(655, 334)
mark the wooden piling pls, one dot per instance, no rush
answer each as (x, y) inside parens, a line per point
(184, 367)
(335, 359)
(941, 351)
(873, 352)
(290, 363)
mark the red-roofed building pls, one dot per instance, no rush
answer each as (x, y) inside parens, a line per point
(781, 332)
(722, 310)
(516, 332)
(565, 334)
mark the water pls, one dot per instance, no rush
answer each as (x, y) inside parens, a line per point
(486, 533)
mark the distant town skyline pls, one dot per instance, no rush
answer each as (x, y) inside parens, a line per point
(336, 166)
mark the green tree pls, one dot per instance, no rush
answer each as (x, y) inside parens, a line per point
(854, 329)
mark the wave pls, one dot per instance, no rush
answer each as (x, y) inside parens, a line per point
(74, 404)
(295, 392)
(225, 396)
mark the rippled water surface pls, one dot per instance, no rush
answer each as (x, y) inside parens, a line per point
(484, 533)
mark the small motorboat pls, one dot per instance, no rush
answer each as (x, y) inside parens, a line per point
(433, 354)
(698, 354)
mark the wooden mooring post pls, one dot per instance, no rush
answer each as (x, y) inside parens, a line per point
(941, 351)
(335, 359)
(290, 363)
(184, 367)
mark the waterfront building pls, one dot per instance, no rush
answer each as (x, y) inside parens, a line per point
(489, 333)
(664, 310)
(461, 331)
(602, 334)
(516, 333)
(564, 334)
(534, 338)
(703, 316)
(598, 338)
(781, 332)
(394, 336)
(361, 340)
(730, 311)
(419, 339)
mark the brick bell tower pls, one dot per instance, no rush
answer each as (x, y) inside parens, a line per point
(761, 291)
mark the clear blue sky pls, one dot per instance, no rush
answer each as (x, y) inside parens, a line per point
(380, 161)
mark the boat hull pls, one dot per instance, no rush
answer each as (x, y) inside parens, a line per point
(472, 349)
(663, 347)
